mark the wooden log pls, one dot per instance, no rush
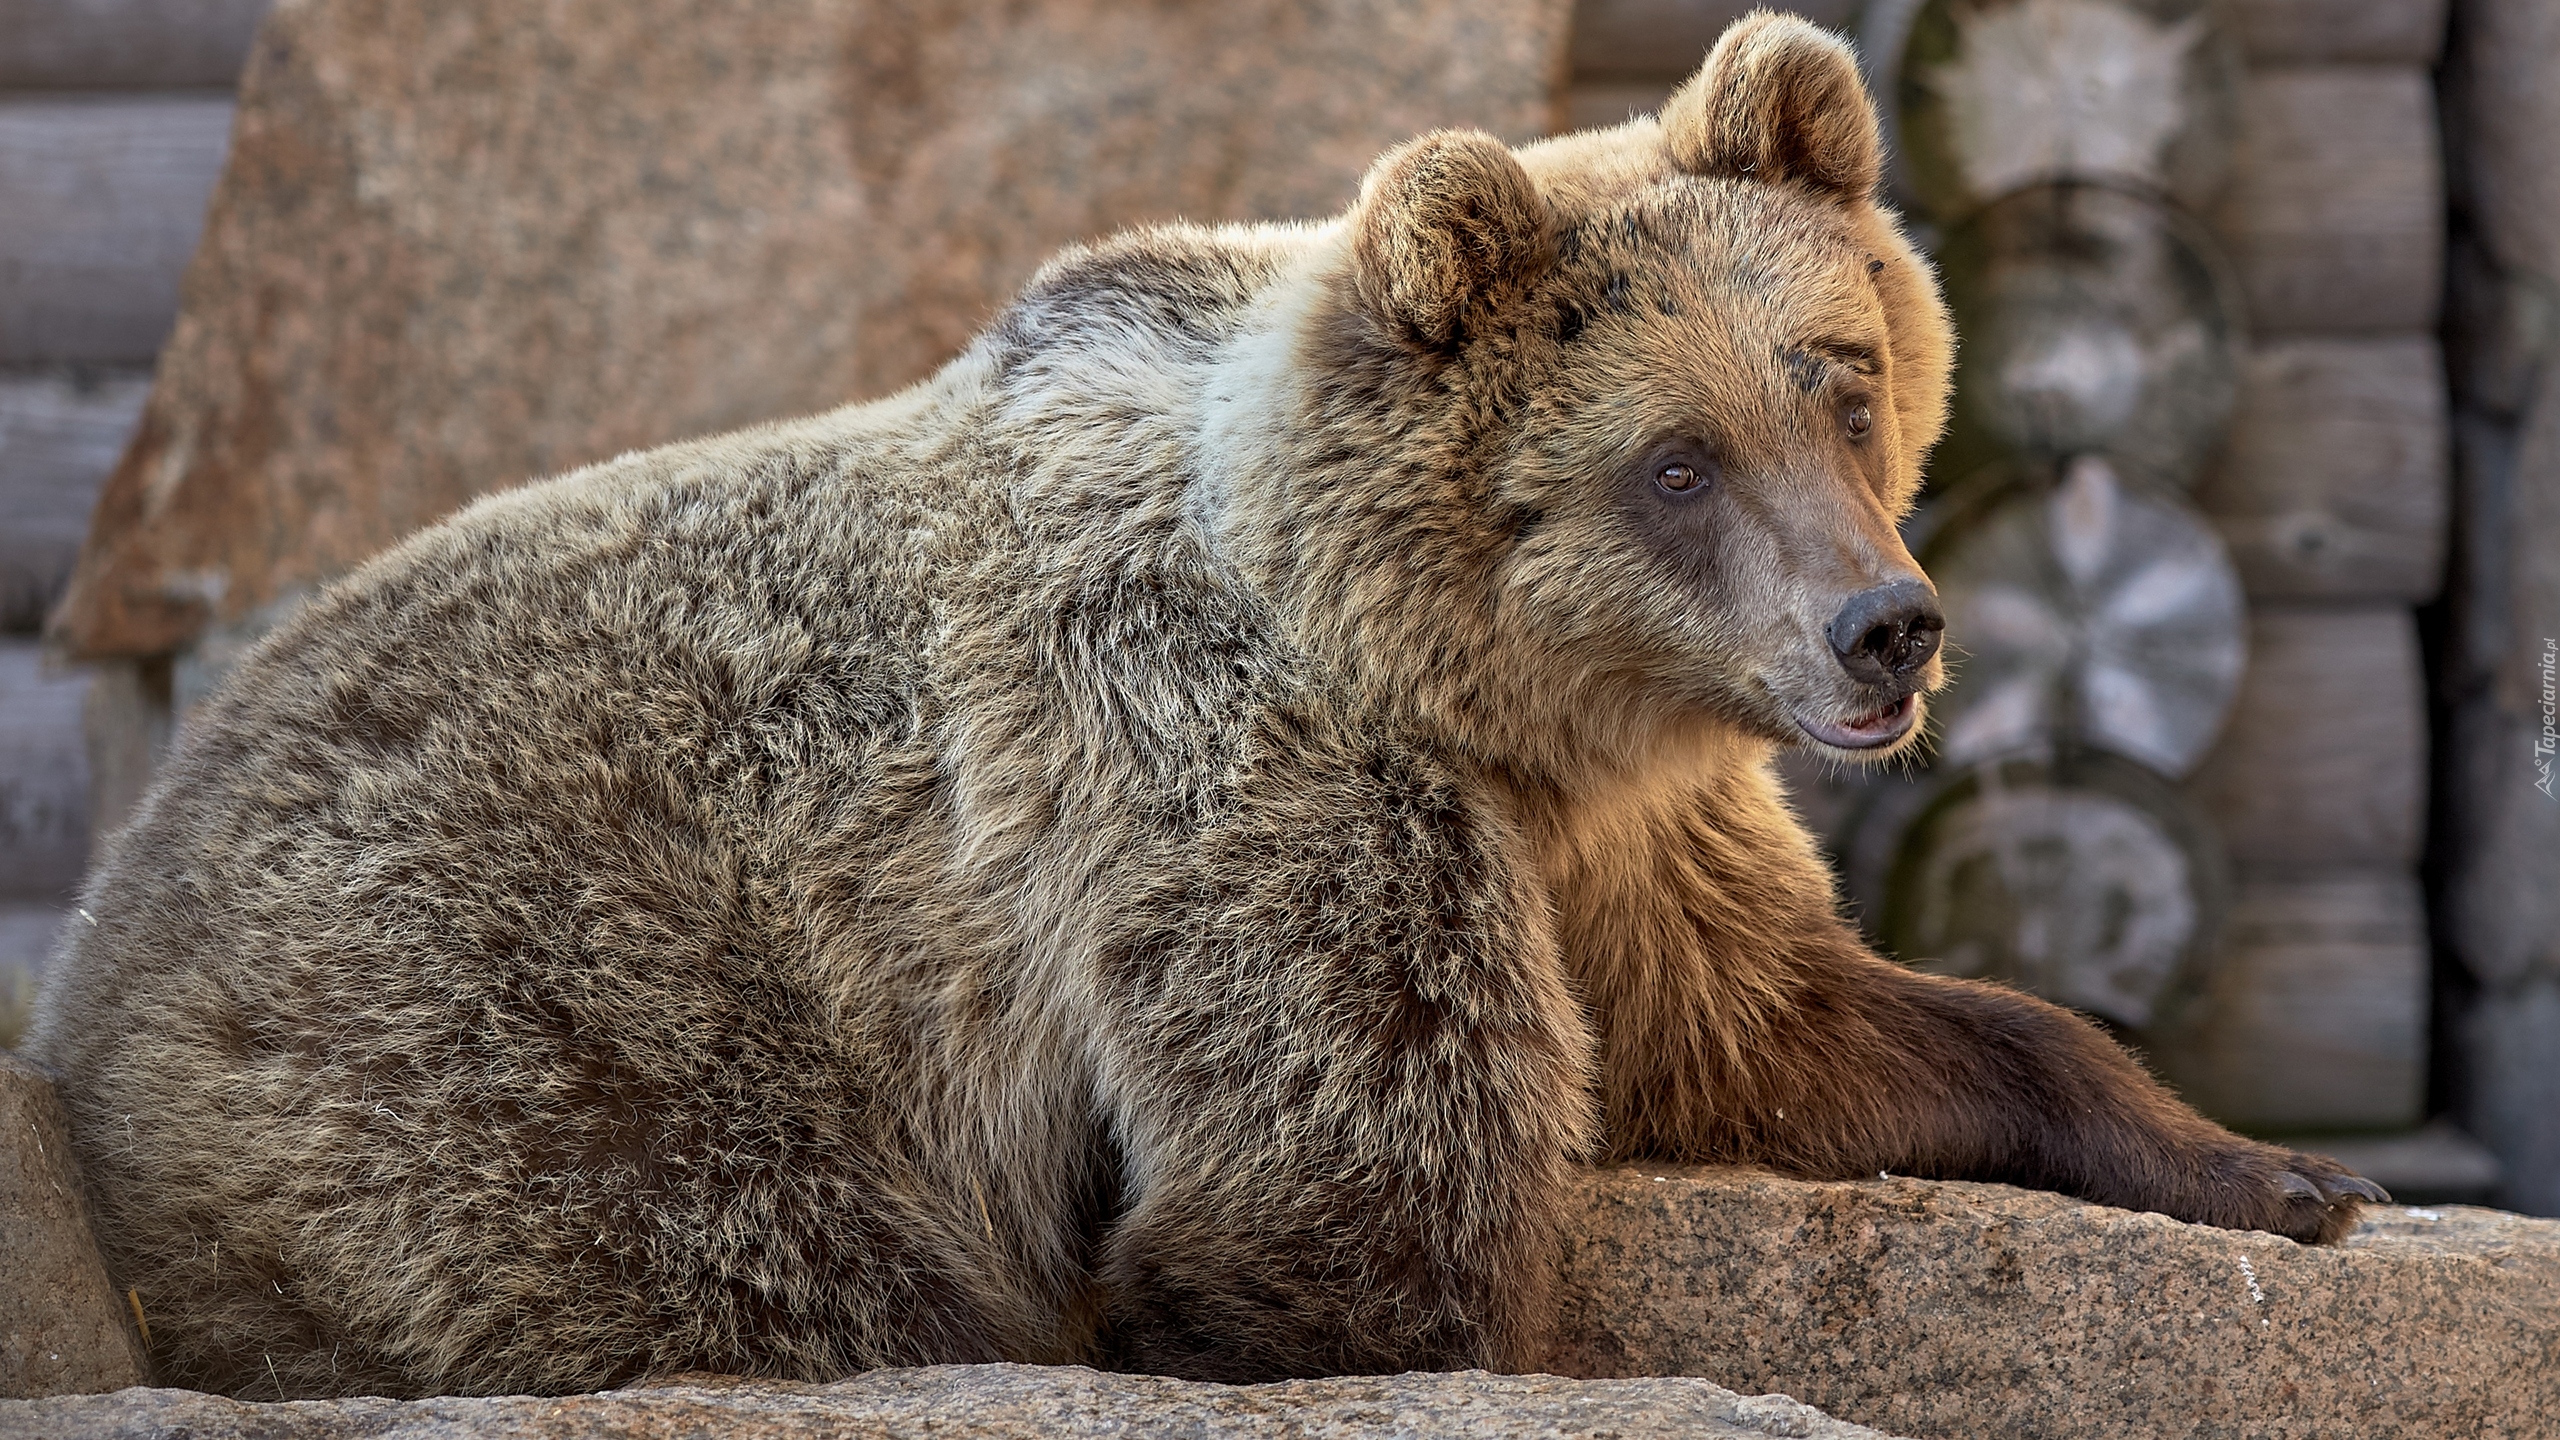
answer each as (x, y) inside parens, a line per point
(2313, 1011)
(44, 776)
(2086, 609)
(27, 930)
(2334, 215)
(2392, 32)
(2323, 762)
(2094, 320)
(1665, 39)
(101, 201)
(2335, 480)
(125, 44)
(2085, 879)
(1995, 95)
(2500, 844)
(126, 723)
(60, 434)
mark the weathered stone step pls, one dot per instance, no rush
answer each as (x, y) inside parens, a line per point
(1961, 1310)
(1921, 1308)
(985, 1402)
(62, 1327)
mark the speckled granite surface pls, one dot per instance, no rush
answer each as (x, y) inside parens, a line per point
(1960, 1310)
(1919, 1308)
(461, 243)
(997, 1402)
(62, 1325)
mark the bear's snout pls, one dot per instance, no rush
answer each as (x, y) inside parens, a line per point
(1886, 633)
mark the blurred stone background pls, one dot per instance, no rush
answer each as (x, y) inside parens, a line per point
(114, 119)
(459, 246)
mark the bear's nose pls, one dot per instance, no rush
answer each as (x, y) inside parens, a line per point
(1885, 633)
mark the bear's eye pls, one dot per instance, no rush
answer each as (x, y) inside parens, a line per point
(1861, 420)
(1678, 469)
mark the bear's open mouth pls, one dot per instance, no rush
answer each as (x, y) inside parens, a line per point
(1866, 732)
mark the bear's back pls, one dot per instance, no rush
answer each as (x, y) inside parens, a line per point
(643, 643)
(735, 632)
(473, 894)
(642, 814)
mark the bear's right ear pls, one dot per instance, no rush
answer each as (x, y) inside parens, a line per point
(1778, 99)
(1447, 228)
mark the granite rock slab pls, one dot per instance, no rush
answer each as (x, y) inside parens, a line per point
(989, 1402)
(62, 1325)
(1919, 1308)
(459, 244)
(1940, 1309)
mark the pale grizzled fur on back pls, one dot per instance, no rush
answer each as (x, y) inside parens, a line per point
(661, 919)
(1159, 846)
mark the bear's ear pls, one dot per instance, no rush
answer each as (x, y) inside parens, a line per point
(1778, 99)
(1447, 227)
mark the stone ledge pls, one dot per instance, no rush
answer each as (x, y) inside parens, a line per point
(61, 1324)
(985, 1402)
(1918, 1307)
(1958, 1310)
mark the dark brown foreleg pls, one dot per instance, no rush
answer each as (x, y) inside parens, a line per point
(1743, 1022)
(1879, 1068)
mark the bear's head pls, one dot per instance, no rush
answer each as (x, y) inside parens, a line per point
(1603, 442)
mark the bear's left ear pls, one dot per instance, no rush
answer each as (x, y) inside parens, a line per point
(1778, 99)
(1448, 227)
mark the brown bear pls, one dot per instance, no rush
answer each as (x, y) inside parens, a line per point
(1161, 845)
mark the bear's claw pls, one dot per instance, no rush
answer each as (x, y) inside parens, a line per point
(2317, 1199)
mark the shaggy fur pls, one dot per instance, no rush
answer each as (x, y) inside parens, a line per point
(1158, 846)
